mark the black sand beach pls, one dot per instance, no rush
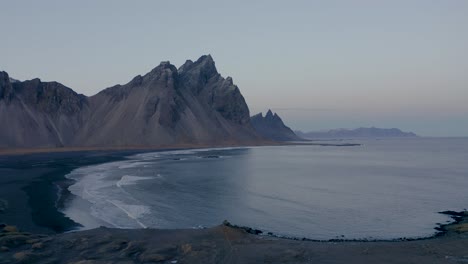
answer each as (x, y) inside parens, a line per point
(33, 187)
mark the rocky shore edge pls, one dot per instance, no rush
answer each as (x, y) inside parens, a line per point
(459, 224)
(226, 243)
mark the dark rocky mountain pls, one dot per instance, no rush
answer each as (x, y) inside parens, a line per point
(272, 127)
(362, 132)
(39, 114)
(167, 106)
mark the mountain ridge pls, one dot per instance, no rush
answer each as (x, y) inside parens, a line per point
(167, 106)
(272, 127)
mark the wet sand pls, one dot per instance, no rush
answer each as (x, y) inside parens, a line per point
(225, 244)
(24, 151)
(140, 149)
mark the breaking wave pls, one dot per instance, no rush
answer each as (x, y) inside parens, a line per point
(104, 194)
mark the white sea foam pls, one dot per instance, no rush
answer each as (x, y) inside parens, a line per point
(99, 186)
(131, 180)
(104, 196)
(131, 164)
(152, 155)
(132, 211)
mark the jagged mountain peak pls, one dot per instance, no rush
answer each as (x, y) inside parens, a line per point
(206, 58)
(272, 127)
(184, 66)
(195, 76)
(229, 81)
(269, 114)
(163, 67)
(272, 117)
(4, 75)
(4, 78)
(166, 106)
(5, 86)
(204, 66)
(259, 115)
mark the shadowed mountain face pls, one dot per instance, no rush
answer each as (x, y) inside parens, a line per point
(362, 132)
(190, 105)
(39, 114)
(272, 127)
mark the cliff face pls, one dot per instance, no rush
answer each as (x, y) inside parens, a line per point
(38, 114)
(190, 105)
(272, 127)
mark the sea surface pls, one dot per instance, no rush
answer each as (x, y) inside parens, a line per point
(382, 189)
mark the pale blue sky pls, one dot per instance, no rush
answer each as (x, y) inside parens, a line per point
(319, 64)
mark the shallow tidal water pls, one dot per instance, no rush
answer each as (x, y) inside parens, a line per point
(382, 189)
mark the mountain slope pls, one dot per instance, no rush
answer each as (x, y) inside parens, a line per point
(167, 106)
(272, 127)
(38, 114)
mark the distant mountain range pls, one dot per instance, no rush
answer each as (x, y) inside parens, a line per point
(272, 127)
(165, 107)
(362, 132)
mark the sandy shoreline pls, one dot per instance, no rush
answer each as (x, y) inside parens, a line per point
(31, 185)
(23, 151)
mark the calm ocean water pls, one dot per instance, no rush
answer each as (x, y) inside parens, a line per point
(382, 189)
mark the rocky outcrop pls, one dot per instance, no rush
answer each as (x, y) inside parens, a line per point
(225, 244)
(272, 127)
(167, 106)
